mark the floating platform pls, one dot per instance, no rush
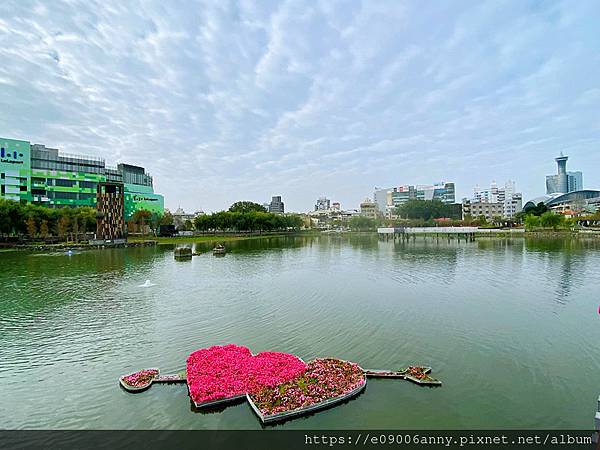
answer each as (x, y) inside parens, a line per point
(307, 409)
(404, 374)
(183, 253)
(274, 399)
(142, 387)
(177, 378)
(219, 402)
(382, 373)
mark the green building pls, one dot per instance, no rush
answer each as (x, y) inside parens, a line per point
(44, 176)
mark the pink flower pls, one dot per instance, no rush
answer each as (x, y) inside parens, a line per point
(221, 372)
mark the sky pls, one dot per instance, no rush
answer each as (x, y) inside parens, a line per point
(223, 101)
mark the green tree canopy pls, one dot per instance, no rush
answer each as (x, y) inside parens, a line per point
(362, 223)
(536, 210)
(246, 206)
(247, 221)
(167, 218)
(17, 218)
(551, 220)
(425, 209)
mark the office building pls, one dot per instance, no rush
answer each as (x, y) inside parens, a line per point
(276, 206)
(390, 198)
(46, 176)
(368, 208)
(323, 204)
(485, 209)
(563, 182)
(504, 198)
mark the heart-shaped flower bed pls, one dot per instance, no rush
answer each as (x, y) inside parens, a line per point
(324, 382)
(222, 373)
(138, 381)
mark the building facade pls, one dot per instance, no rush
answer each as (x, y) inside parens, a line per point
(323, 204)
(276, 206)
(110, 211)
(503, 202)
(45, 176)
(390, 198)
(485, 209)
(583, 202)
(563, 182)
(368, 208)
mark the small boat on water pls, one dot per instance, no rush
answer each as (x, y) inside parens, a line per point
(219, 250)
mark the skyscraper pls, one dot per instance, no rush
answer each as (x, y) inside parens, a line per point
(563, 182)
(276, 206)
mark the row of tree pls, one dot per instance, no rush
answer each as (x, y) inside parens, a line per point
(247, 221)
(247, 216)
(38, 221)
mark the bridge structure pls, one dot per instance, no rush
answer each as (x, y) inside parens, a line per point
(467, 233)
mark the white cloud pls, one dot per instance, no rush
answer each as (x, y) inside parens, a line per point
(228, 100)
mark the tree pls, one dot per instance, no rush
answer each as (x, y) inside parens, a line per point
(537, 210)
(425, 209)
(31, 227)
(167, 218)
(362, 223)
(140, 219)
(62, 226)
(44, 229)
(551, 220)
(246, 206)
(532, 221)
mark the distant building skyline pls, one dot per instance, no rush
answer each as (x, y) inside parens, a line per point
(308, 98)
(389, 198)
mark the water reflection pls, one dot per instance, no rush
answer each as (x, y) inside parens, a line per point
(487, 315)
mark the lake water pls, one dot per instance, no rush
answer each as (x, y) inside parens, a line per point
(510, 326)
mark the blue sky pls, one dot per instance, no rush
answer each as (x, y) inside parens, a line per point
(224, 101)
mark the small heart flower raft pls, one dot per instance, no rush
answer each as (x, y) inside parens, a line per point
(277, 386)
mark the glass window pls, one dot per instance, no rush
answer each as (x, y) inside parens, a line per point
(87, 185)
(66, 195)
(64, 183)
(86, 196)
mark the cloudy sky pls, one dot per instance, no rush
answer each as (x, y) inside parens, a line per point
(224, 101)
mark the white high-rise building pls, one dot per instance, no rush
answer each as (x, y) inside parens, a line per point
(509, 201)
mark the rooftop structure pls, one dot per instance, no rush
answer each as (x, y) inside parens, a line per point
(586, 200)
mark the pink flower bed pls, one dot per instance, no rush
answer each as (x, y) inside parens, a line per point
(222, 372)
(141, 378)
(323, 379)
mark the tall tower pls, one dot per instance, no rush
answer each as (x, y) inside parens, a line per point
(562, 177)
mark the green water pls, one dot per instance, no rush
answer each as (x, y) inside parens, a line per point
(510, 326)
